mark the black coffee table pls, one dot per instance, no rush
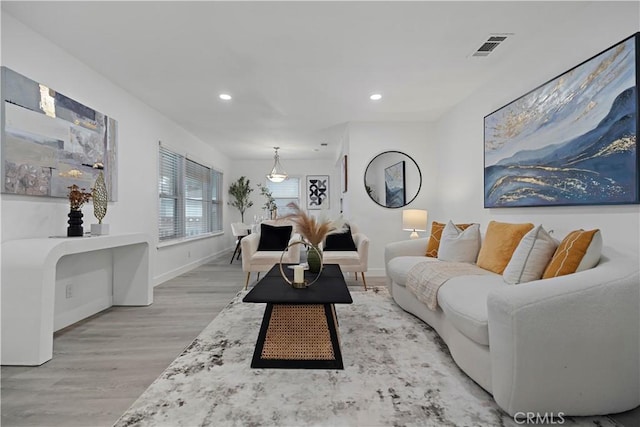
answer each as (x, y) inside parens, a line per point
(300, 327)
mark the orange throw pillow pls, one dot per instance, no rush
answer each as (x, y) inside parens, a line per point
(571, 252)
(500, 243)
(436, 234)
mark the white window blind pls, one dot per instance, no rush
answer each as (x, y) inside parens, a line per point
(196, 190)
(216, 200)
(169, 186)
(284, 193)
(190, 197)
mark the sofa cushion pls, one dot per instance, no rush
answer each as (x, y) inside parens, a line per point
(530, 257)
(340, 241)
(436, 234)
(274, 238)
(500, 242)
(266, 258)
(398, 268)
(579, 251)
(458, 245)
(341, 257)
(463, 299)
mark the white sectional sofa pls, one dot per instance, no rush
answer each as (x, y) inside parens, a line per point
(568, 344)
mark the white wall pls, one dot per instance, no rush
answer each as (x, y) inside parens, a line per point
(449, 153)
(367, 140)
(460, 132)
(139, 129)
(256, 171)
(89, 277)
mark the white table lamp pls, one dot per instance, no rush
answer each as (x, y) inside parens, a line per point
(414, 220)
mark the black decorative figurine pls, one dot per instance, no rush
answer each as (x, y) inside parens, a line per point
(77, 198)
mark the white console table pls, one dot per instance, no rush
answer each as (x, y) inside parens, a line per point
(28, 286)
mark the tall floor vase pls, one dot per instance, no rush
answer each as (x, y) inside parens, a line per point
(75, 224)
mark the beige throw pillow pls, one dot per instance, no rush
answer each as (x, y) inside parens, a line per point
(459, 245)
(530, 257)
(436, 234)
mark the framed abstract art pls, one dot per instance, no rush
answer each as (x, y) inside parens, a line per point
(50, 141)
(317, 191)
(572, 140)
(394, 185)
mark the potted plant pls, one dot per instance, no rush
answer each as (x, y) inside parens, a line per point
(240, 191)
(270, 205)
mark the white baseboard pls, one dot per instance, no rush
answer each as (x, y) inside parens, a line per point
(76, 314)
(373, 272)
(376, 272)
(158, 280)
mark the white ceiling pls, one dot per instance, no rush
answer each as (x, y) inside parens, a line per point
(296, 70)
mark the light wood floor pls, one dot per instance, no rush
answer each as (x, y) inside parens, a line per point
(101, 365)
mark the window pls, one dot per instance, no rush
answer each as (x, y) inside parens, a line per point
(189, 197)
(169, 185)
(216, 201)
(285, 192)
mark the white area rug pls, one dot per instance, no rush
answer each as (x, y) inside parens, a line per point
(397, 372)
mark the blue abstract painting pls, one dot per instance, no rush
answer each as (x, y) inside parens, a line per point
(394, 187)
(571, 141)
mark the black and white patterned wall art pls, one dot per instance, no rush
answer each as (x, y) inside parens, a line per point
(317, 191)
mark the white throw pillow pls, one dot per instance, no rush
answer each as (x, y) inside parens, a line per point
(591, 258)
(530, 257)
(459, 245)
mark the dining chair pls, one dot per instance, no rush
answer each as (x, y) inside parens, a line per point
(239, 230)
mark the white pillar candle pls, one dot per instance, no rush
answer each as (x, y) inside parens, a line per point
(298, 274)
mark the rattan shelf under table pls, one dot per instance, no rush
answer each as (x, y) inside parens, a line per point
(300, 327)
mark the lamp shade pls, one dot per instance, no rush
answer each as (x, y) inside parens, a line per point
(414, 220)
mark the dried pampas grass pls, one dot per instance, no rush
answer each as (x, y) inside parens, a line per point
(312, 229)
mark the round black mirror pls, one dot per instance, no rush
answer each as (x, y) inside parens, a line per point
(392, 179)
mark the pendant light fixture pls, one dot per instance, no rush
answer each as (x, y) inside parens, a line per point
(277, 173)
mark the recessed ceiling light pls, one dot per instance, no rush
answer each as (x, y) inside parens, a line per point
(225, 97)
(375, 97)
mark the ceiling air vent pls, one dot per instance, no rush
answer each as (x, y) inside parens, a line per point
(489, 46)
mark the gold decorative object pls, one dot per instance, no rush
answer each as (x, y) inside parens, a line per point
(100, 198)
(303, 284)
